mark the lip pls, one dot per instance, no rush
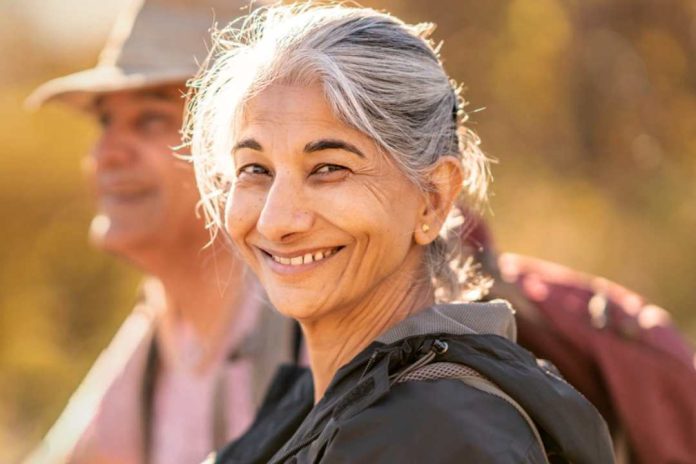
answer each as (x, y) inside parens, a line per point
(125, 192)
(288, 269)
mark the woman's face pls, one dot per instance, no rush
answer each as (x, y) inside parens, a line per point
(322, 216)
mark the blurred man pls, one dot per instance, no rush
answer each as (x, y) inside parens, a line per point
(187, 369)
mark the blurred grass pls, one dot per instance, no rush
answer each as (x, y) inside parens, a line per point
(590, 108)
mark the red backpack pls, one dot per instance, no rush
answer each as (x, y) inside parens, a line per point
(623, 354)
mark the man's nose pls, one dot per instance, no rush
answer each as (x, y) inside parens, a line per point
(286, 212)
(113, 149)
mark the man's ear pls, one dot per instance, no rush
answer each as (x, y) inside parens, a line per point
(445, 183)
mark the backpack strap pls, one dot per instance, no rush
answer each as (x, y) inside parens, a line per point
(471, 377)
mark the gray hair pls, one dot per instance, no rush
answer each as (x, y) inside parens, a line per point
(380, 76)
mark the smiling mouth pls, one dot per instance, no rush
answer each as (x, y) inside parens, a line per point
(126, 194)
(304, 258)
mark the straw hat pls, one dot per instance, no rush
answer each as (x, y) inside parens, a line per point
(153, 42)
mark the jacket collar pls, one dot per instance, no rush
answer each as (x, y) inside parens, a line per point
(495, 317)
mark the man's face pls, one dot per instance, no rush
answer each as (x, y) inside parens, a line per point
(146, 196)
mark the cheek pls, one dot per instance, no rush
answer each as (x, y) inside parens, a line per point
(182, 185)
(380, 216)
(175, 183)
(242, 210)
(169, 167)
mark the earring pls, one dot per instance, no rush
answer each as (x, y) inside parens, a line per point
(425, 228)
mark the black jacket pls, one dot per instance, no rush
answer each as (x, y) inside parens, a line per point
(366, 418)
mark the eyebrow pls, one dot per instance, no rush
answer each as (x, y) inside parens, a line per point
(247, 143)
(311, 147)
(332, 144)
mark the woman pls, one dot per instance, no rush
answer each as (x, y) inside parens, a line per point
(329, 143)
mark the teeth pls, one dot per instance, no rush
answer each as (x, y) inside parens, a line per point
(305, 259)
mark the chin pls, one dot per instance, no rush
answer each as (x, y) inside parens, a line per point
(299, 305)
(297, 311)
(121, 239)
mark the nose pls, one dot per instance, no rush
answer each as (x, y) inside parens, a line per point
(286, 212)
(113, 149)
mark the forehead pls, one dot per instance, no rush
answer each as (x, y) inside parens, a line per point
(170, 94)
(289, 104)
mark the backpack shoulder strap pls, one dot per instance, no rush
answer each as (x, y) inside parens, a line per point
(471, 377)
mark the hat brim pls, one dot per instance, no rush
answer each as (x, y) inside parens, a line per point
(80, 89)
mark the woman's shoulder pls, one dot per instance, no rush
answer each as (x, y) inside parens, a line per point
(437, 421)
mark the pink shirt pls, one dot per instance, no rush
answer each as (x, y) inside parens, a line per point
(203, 397)
(191, 395)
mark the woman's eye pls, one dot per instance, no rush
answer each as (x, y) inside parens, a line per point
(329, 169)
(252, 169)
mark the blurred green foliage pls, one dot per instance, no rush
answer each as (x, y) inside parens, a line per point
(590, 108)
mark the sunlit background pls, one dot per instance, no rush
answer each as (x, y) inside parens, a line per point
(589, 106)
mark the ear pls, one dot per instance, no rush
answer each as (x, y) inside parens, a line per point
(445, 183)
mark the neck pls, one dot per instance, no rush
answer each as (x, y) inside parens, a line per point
(355, 327)
(203, 286)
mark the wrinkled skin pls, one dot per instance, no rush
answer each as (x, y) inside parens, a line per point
(294, 194)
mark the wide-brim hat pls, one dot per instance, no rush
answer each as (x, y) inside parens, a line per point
(152, 43)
